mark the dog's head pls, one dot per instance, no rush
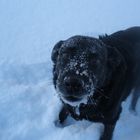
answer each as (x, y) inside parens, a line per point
(79, 68)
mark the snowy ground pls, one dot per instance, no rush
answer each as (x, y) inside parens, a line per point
(28, 30)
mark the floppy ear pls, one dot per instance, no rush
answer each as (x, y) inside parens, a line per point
(55, 51)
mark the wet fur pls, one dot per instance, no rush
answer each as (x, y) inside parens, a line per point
(123, 49)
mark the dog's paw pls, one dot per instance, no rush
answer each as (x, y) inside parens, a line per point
(57, 123)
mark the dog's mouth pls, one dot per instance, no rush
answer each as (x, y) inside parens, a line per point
(74, 101)
(72, 98)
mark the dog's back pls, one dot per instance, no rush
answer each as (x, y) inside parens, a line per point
(128, 42)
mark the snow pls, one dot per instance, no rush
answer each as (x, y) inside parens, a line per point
(29, 29)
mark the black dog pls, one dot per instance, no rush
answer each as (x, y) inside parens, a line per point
(93, 76)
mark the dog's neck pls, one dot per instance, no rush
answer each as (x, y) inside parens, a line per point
(82, 111)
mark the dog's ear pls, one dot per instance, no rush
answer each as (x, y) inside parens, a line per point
(55, 51)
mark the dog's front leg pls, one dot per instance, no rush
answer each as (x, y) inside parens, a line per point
(63, 114)
(108, 132)
(62, 117)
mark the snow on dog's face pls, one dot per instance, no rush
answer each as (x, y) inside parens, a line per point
(79, 68)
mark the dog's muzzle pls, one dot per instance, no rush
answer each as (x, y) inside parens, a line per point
(73, 87)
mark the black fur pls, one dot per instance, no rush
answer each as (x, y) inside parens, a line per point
(113, 65)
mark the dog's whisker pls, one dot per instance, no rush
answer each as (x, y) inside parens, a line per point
(102, 94)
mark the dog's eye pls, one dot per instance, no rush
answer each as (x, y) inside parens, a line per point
(64, 55)
(93, 59)
(63, 58)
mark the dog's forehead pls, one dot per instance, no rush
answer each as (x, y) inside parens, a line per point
(77, 48)
(82, 40)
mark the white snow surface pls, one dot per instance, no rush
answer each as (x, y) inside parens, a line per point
(28, 31)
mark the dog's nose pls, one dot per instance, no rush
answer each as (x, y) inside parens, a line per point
(73, 84)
